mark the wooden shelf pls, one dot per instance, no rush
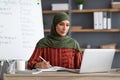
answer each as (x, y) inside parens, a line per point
(53, 11)
(82, 49)
(93, 30)
(80, 11)
(89, 30)
(95, 10)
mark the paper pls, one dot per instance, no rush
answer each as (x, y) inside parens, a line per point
(34, 71)
(52, 69)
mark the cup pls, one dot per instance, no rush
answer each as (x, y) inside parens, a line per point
(20, 65)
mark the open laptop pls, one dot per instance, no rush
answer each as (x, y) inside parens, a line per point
(94, 60)
(97, 60)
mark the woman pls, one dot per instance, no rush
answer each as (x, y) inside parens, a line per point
(58, 49)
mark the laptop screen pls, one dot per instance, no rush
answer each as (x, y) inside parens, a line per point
(97, 60)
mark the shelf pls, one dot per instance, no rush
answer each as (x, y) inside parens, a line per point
(53, 11)
(82, 49)
(95, 10)
(93, 30)
(80, 11)
(89, 30)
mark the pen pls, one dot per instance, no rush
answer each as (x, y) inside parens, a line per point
(42, 59)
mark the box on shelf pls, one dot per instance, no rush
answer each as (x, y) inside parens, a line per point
(115, 4)
(76, 28)
(110, 46)
(60, 6)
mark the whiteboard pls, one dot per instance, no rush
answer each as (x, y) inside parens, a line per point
(21, 26)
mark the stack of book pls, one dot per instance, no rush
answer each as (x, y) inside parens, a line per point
(102, 20)
(60, 6)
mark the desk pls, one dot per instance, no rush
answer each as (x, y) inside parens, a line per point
(63, 76)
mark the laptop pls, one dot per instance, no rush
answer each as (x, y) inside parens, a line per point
(97, 60)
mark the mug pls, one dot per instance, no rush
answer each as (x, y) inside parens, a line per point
(20, 65)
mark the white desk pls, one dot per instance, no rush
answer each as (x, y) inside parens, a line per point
(63, 76)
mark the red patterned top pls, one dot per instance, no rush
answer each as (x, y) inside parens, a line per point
(64, 57)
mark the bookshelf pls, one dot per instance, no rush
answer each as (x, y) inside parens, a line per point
(81, 11)
(87, 22)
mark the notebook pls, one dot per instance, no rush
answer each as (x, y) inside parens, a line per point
(51, 69)
(97, 60)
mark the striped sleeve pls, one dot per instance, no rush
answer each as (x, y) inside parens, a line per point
(78, 59)
(34, 58)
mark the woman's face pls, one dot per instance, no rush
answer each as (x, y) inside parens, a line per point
(63, 27)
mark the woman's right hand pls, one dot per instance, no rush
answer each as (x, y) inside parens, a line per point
(42, 65)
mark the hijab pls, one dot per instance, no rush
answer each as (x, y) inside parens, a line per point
(54, 40)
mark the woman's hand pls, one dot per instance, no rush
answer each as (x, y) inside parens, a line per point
(42, 65)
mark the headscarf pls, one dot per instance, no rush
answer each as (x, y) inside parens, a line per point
(54, 40)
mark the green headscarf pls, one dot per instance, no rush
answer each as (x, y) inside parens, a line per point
(54, 40)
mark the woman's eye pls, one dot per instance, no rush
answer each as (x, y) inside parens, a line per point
(61, 24)
(67, 25)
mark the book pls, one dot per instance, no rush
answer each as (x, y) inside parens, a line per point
(104, 20)
(96, 24)
(109, 21)
(100, 20)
